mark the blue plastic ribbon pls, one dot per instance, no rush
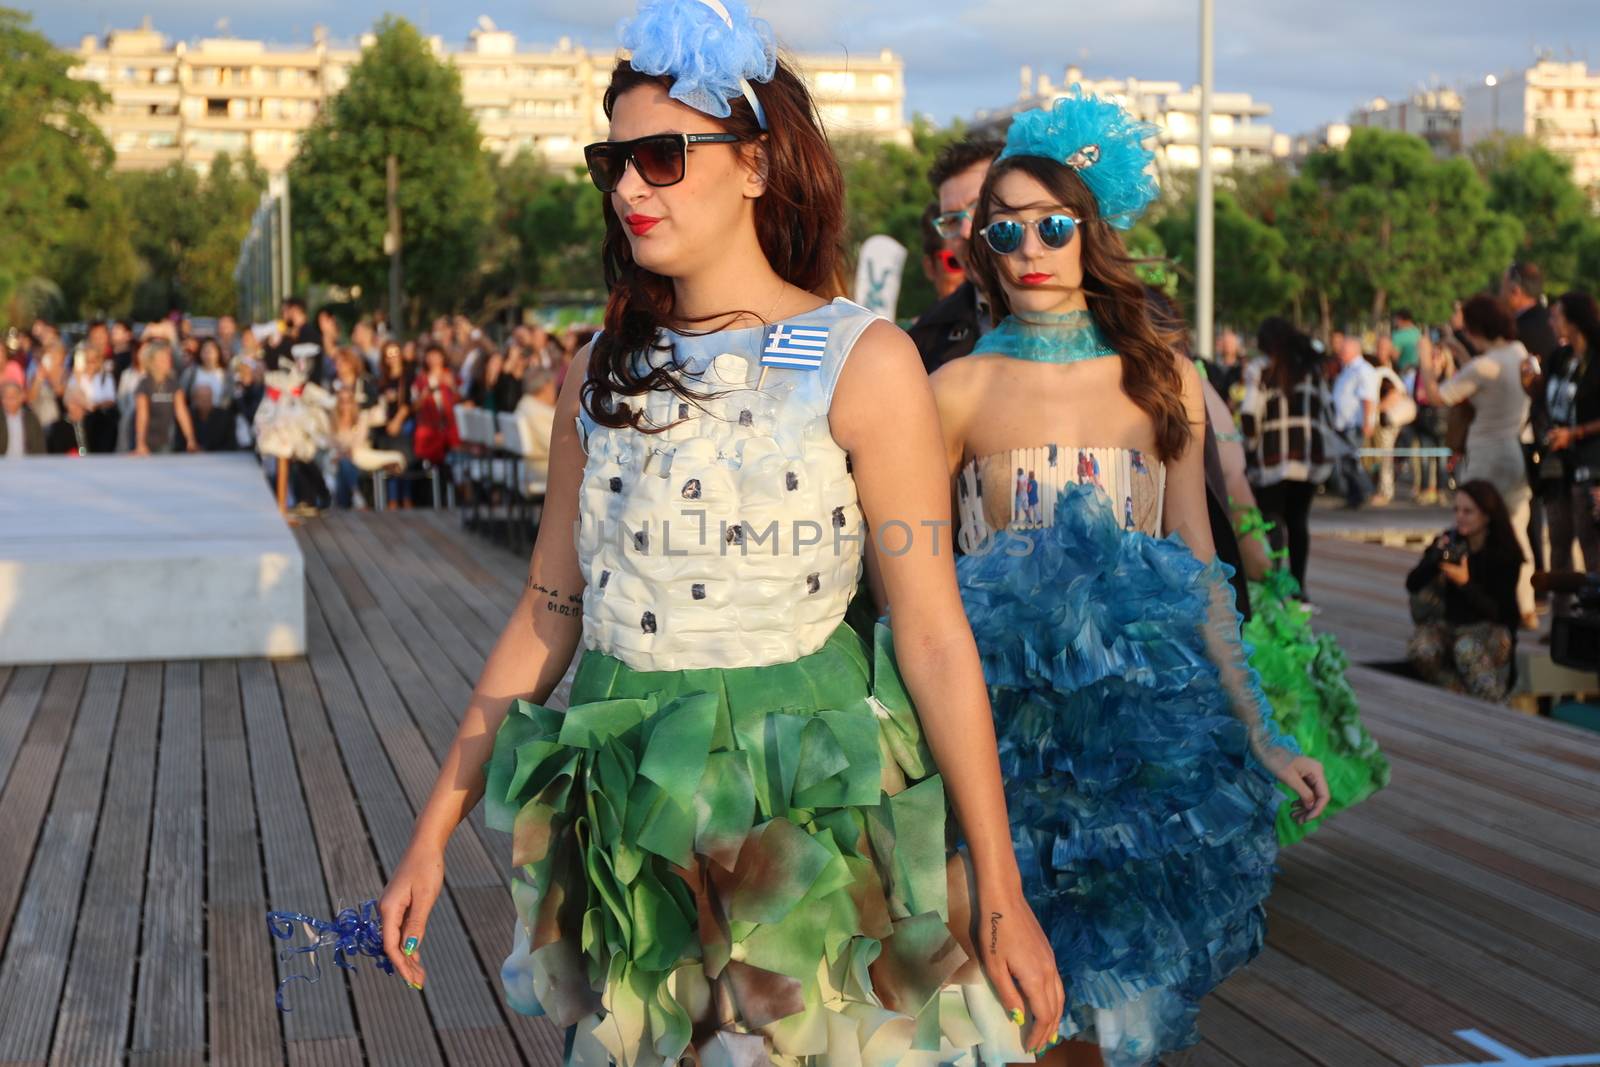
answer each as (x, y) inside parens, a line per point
(354, 932)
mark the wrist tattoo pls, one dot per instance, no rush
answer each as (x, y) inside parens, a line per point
(994, 931)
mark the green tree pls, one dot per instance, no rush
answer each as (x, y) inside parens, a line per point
(401, 100)
(545, 239)
(1534, 186)
(887, 191)
(1251, 282)
(53, 158)
(95, 265)
(1383, 222)
(187, 230)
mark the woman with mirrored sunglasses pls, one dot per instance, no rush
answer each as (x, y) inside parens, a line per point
(1141, 759)
(732, 844)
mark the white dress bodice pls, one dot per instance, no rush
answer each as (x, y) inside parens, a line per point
(734, 537)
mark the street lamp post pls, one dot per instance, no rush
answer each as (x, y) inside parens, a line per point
(1205, 272)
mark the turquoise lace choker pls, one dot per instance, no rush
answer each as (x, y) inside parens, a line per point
(1064, 338)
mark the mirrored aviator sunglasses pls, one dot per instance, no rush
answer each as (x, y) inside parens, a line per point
(1004, 236)
(659, 159)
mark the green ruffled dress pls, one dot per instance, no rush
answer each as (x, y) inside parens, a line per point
(722, 849)
(1303, 673)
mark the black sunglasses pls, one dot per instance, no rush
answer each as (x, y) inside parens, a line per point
(659, 158)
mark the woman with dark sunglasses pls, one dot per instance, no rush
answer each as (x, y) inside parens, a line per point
(1140, 756)
(732, 844)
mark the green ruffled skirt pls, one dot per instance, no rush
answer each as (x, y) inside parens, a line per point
(749, 862)
(1303, 674)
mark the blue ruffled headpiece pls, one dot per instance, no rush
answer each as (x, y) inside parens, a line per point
(712, 50)
(1101, 141)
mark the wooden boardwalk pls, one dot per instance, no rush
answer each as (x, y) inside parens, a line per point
(151, 813)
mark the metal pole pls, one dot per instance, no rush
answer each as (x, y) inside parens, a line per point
(391, 241)
(288, 240)
(1205, 241)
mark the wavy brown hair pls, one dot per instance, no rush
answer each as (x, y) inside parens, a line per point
(1115, 295)
(799, 221)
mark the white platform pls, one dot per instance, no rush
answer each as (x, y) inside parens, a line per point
(116, 558)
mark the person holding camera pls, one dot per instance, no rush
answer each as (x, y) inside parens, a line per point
(1570, 390)
(1492, 383)
(1464, 598)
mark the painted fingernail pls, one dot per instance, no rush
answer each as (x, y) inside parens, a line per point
(413, 985)
(1017, 1016)
(410, 946)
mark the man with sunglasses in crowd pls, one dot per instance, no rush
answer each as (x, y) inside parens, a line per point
(951, 328)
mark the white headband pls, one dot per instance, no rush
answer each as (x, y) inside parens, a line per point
(744, 84)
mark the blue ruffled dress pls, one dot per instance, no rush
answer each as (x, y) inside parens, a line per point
(1143, 823)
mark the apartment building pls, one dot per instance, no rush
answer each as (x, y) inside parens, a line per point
(183, 102)
(1240, 136)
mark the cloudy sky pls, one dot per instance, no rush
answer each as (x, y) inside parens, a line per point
(1311, 60)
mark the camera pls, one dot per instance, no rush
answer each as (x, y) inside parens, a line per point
(1454, 549)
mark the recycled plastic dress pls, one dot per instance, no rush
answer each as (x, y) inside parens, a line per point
(1303, 673)
(735, 840)
(1134, 739)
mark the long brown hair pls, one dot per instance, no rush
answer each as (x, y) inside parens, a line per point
(1115, 295)
(799, 221)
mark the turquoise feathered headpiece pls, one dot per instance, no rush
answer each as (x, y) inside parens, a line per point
(1102, 142)
(712, 50)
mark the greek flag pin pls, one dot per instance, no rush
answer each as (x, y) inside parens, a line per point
(795, 347)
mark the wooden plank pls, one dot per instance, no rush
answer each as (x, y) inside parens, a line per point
(1440, 945)
(1403, 995)
(1461, 886)
(394, 1020)
(32, 780)
(1247, 1041)
(1479, 722)
(17, 708)
(169, 1001)
(463, 634)
(244, 1027)
(326, 1052)
(1576, 881)
(460, 990)
(33, 966)
(1309, 1033)
(92, 1026)
(289, 854)
(1347, 1008)
(395, 627)
(414, 755)
(1490, 994)
(490, 603)
(1317, 870)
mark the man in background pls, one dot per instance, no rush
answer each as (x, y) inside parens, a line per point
(1522, 288)
(1405, 336)
(951, 328)
(1355, 415)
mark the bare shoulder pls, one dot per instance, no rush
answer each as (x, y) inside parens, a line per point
(1194, 397)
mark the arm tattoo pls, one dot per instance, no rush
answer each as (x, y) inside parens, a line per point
(571, 607)
(994, 931)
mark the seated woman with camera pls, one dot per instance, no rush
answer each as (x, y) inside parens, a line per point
(1464, 598)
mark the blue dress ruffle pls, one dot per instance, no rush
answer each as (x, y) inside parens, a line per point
(1143, 825)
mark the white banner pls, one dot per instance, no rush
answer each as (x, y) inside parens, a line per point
(882, 261)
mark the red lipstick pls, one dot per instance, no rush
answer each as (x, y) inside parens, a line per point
(641, 224)
(1034, 279)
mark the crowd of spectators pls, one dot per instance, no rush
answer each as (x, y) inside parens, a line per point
(197, 385)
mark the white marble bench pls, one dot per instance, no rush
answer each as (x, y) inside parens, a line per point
(117, 558)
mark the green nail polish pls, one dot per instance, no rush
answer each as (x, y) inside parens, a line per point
(413, 985)
(1017, 1016)
(410, 946)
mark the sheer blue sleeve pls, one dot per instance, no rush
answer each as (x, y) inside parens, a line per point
(1225, 642)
